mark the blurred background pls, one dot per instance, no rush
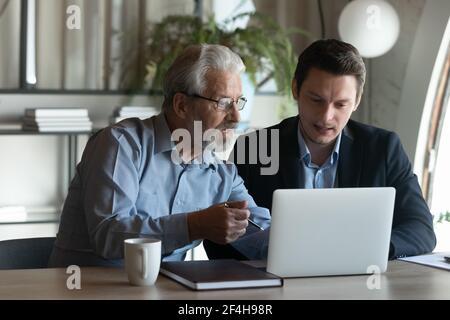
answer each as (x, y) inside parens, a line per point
(103, 55)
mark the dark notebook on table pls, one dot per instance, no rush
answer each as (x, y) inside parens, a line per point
(218, 274)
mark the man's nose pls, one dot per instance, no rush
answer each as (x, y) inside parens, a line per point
(233, 113)
(328, 113)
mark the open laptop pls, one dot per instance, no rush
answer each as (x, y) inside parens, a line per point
(323, 232)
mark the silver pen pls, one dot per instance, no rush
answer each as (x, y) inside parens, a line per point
(249, 220)
(255, 224)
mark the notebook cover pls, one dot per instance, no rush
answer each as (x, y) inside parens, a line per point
(218, 274)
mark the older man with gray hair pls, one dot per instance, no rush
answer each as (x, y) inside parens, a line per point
(128, 185)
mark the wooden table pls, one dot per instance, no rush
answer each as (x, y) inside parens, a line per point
(402, 281)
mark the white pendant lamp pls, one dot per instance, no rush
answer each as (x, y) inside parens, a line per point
(372, 26)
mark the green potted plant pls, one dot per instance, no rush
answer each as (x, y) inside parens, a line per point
(443, 217)
(264, 47)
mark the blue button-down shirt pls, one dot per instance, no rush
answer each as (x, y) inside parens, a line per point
(314, 176)
(127, 186)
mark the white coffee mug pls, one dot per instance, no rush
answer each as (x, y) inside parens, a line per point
(142, 260)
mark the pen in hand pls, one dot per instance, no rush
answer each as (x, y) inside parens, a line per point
(255, 224)
(249, 220)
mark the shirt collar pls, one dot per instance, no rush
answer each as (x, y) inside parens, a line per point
(162, 134)
(305, 153)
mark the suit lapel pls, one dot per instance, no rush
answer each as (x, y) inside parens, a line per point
(350, 157)
(290, 168)
(290, 172)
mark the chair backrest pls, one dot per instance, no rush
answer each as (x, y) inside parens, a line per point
(30, 253)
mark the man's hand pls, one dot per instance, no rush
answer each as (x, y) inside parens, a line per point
(222, 223)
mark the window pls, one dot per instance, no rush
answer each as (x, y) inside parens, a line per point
(436, 178)
(436, 170)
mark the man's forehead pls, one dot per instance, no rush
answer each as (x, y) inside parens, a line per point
(341, 96)
(322, 80)
(320, 74)
(214, 74)
(222, 81)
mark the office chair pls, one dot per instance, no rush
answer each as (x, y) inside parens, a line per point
(30, 253)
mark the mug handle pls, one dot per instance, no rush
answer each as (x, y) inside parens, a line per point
(144, 263)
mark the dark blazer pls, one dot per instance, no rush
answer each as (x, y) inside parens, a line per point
(368, 157)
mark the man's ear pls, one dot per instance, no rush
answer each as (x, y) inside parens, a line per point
(179, 105)
(294, 88)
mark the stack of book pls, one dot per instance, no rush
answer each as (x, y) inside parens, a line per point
(125, 112)
(57, 120)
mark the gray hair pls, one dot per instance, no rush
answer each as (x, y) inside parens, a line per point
(187, 73)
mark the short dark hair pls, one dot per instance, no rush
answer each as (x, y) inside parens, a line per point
(333, 56)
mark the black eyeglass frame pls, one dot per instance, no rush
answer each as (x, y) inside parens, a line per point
(240, 105)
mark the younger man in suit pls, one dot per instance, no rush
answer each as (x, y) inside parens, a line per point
(323, 148)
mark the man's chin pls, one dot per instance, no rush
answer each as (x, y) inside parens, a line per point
(324, 140)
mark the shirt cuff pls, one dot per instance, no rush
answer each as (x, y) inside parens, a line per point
(176, 232)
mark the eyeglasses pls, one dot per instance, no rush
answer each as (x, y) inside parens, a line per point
(223, 104)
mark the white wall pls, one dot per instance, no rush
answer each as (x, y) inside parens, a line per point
(386, 74)
(30, 170)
